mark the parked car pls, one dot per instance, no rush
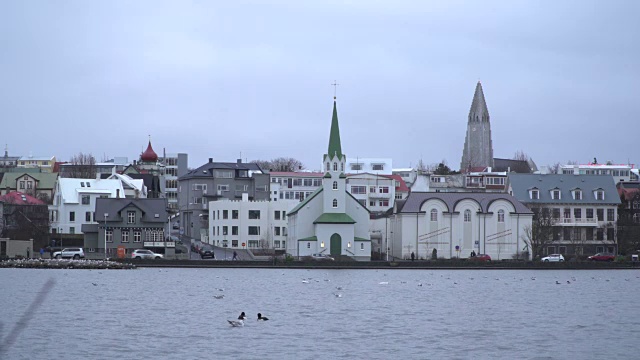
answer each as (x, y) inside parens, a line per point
(145, 254)
(176, 226)
(69, 253)
(602, 257)
(207, 254)
(321, 257)
(553, 257)
(481, 258)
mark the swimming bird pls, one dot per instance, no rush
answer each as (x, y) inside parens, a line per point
(420, 284)
(338, 287)
(557, 282)
(218, 296)
(338, 295)
(568, 282)
(262, 318)
(242, 316)
(94, 284)
(305, 281)
(236, 323)
(383, 283)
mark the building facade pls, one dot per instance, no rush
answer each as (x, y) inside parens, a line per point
(176, 165)
(44, 163)
(37, 184)
(455, 224)
(620, 173)
(478, 148)
(379, 166)
(129, 224)
(580, 211)
(257, 225)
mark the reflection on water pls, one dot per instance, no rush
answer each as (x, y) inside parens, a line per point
(381, 314)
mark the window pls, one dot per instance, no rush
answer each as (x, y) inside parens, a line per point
(297, 182)
(29, 185)
(224, 187)
(600, 214)
(562, 249)
(254, 230)
(276, 215)
(234, 243)
(356, 167)
(137, 236)
(577, 213)
(589, 234)
(234, 214)
(342, 167)
(501, 216)
(434, 215)
(225, 230)
(21, 184)
(109, 235)
(242, 187)
(284, 214)
(589, 213)
(610, 215)
(131, 217)
(335, 203)
(398, 196)
(358, 189)
(85, 199)
(87, 216)
(600, 234)
(125, 236)
(599, 249)
(567, 213)
(361, 246)
(555, 194)
(335, 185)
(234, 230)
(535, 195)
(372, 189)
(599, 195)
(335, 166)
(72, 230)
(284, 233)
(254, 214)
(556, 213)
(72, 216)
(467, 215)
(308, 245)
(328, 166)
(225, 214)
(225, 174)
(383, 203)
(276, 230)
(378, 167)
(383, 189)
(317, 182)
(372, 203)
(577, 194)
(610, 233)
(567, 234)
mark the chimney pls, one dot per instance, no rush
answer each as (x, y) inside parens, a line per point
(117, 193)
(239, 161)
(210, 160)
(576, 170)
(245, 197)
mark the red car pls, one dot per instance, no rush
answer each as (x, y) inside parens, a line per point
(602, 257)
(481, 258)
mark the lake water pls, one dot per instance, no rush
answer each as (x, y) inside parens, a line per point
(163, 313)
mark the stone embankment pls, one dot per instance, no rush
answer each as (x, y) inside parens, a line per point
(65, 264)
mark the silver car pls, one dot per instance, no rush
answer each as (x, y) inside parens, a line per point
(145, 254)
(553, 258)
(69, 253)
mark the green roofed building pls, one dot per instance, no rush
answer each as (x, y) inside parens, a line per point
(330, 221)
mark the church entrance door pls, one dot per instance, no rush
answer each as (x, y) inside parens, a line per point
(336, 245)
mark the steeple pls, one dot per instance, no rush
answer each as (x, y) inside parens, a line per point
(335, 148)
(478, 111)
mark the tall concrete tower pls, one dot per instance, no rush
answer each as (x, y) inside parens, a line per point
(478, 149)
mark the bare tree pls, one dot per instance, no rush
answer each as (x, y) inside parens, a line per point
(83, 166)
(521, 155)
(280, 164)
(541, 231)
(555, 168)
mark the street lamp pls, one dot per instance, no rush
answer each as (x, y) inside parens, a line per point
(106, 215)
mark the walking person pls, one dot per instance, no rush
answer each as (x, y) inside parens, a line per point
(28, 252)
(235, 255)
(413, 256)
(41, 253)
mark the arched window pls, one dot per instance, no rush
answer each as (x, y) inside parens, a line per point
(467, 215)
(434, 215)
(328, 167)
(308, 245)
(361, 246)
(341, 166)
(501, 216)
(335, 166)
(335, 203)
(335, 185)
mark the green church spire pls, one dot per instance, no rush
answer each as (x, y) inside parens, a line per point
(335, 148)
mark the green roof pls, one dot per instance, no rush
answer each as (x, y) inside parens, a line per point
(45, 180)
(310, 238)
(305, 201)
(343, 176)
(334, 218)
(327, 175)
(335, 148)
(361, 239)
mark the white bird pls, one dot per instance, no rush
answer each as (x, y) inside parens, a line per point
(383, 283)
(236, 323)
(338, 295)
(305, 281)
(557, 282)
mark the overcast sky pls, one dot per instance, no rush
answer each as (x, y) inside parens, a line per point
(224, 78)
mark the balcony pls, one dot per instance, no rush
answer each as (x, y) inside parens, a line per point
(577, 222)
(377, 195)
(169, 244)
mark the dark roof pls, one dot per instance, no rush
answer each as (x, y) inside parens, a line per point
(18, 198)
(206, 170)
(415, 200)
(520, 184)
(517, 166)
(149, 207)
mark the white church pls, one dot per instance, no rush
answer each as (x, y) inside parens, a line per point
(330, 221)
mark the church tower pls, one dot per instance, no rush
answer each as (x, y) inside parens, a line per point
(334, 181)
(478, 149)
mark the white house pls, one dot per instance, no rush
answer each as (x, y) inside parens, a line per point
(75, 201)
(293, 185)
(242, 223)
(380, 166)
(330, 220)
(133, 188)
(620, 172)
(457, 223)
